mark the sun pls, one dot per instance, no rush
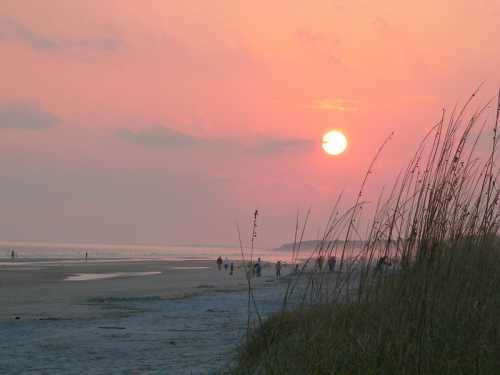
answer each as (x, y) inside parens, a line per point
(334, 142)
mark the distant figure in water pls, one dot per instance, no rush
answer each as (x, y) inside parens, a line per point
(12, 254)
(86, 256)
(226, 266)
(231, 268)
(219, 263)
(278, 269)
(331, 263)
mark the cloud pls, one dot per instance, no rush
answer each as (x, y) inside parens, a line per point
(213, 59)
(158, 137)
(336, 104)
(165, 138)
(26, 116)
(12, 30)
(267, 146)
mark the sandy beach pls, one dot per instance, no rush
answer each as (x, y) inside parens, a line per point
(43, 288)
(158, 317)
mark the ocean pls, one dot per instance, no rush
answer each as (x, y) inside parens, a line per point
(43, 251)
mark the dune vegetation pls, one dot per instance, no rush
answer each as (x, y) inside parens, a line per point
(421, 295)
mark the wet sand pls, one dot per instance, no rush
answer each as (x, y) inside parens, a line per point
(48, 289)
(191, 336)
(125, 317)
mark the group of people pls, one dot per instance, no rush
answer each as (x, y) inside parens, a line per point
(220, 262)
(254, 269)
(382, 263)
(331, 262)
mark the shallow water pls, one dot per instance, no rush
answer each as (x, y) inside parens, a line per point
(100, 276)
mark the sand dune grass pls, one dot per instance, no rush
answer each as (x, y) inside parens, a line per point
(436, 308)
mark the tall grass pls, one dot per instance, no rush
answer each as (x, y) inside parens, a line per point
(436, 308)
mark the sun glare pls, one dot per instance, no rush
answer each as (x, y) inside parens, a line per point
(334, 142)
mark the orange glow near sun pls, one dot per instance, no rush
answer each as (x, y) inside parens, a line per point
(334, 142)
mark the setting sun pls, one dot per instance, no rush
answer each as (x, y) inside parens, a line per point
(334, 142)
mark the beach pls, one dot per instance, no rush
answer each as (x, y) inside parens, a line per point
(48, 289)
(76, 316)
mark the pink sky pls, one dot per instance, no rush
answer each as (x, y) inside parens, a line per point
(170, 121)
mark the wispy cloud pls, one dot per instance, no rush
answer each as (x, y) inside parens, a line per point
(13, 30)
(26, 116)
(220, 59)
(335, 104)
(267, 146)
(160, 137)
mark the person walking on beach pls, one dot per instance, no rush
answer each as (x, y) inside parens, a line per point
(320, 261)
(258, 268)
(331, 263)
(12, 254)
(382, 261)
(219, 263)
(86, 256)
(278, 269)
(226, 266)
(231, 269)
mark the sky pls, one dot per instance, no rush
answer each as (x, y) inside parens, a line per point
(169, 122)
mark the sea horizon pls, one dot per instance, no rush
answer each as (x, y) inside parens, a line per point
(77, 251)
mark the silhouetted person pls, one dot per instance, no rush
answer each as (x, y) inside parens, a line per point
(380, 264)
(382, 261)
(331, 263)
(219, 263)
(12, 254)
(86, 256)
(231, 268)
(320, 261)
(226, 266)
(258, 268)
(278, 269)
